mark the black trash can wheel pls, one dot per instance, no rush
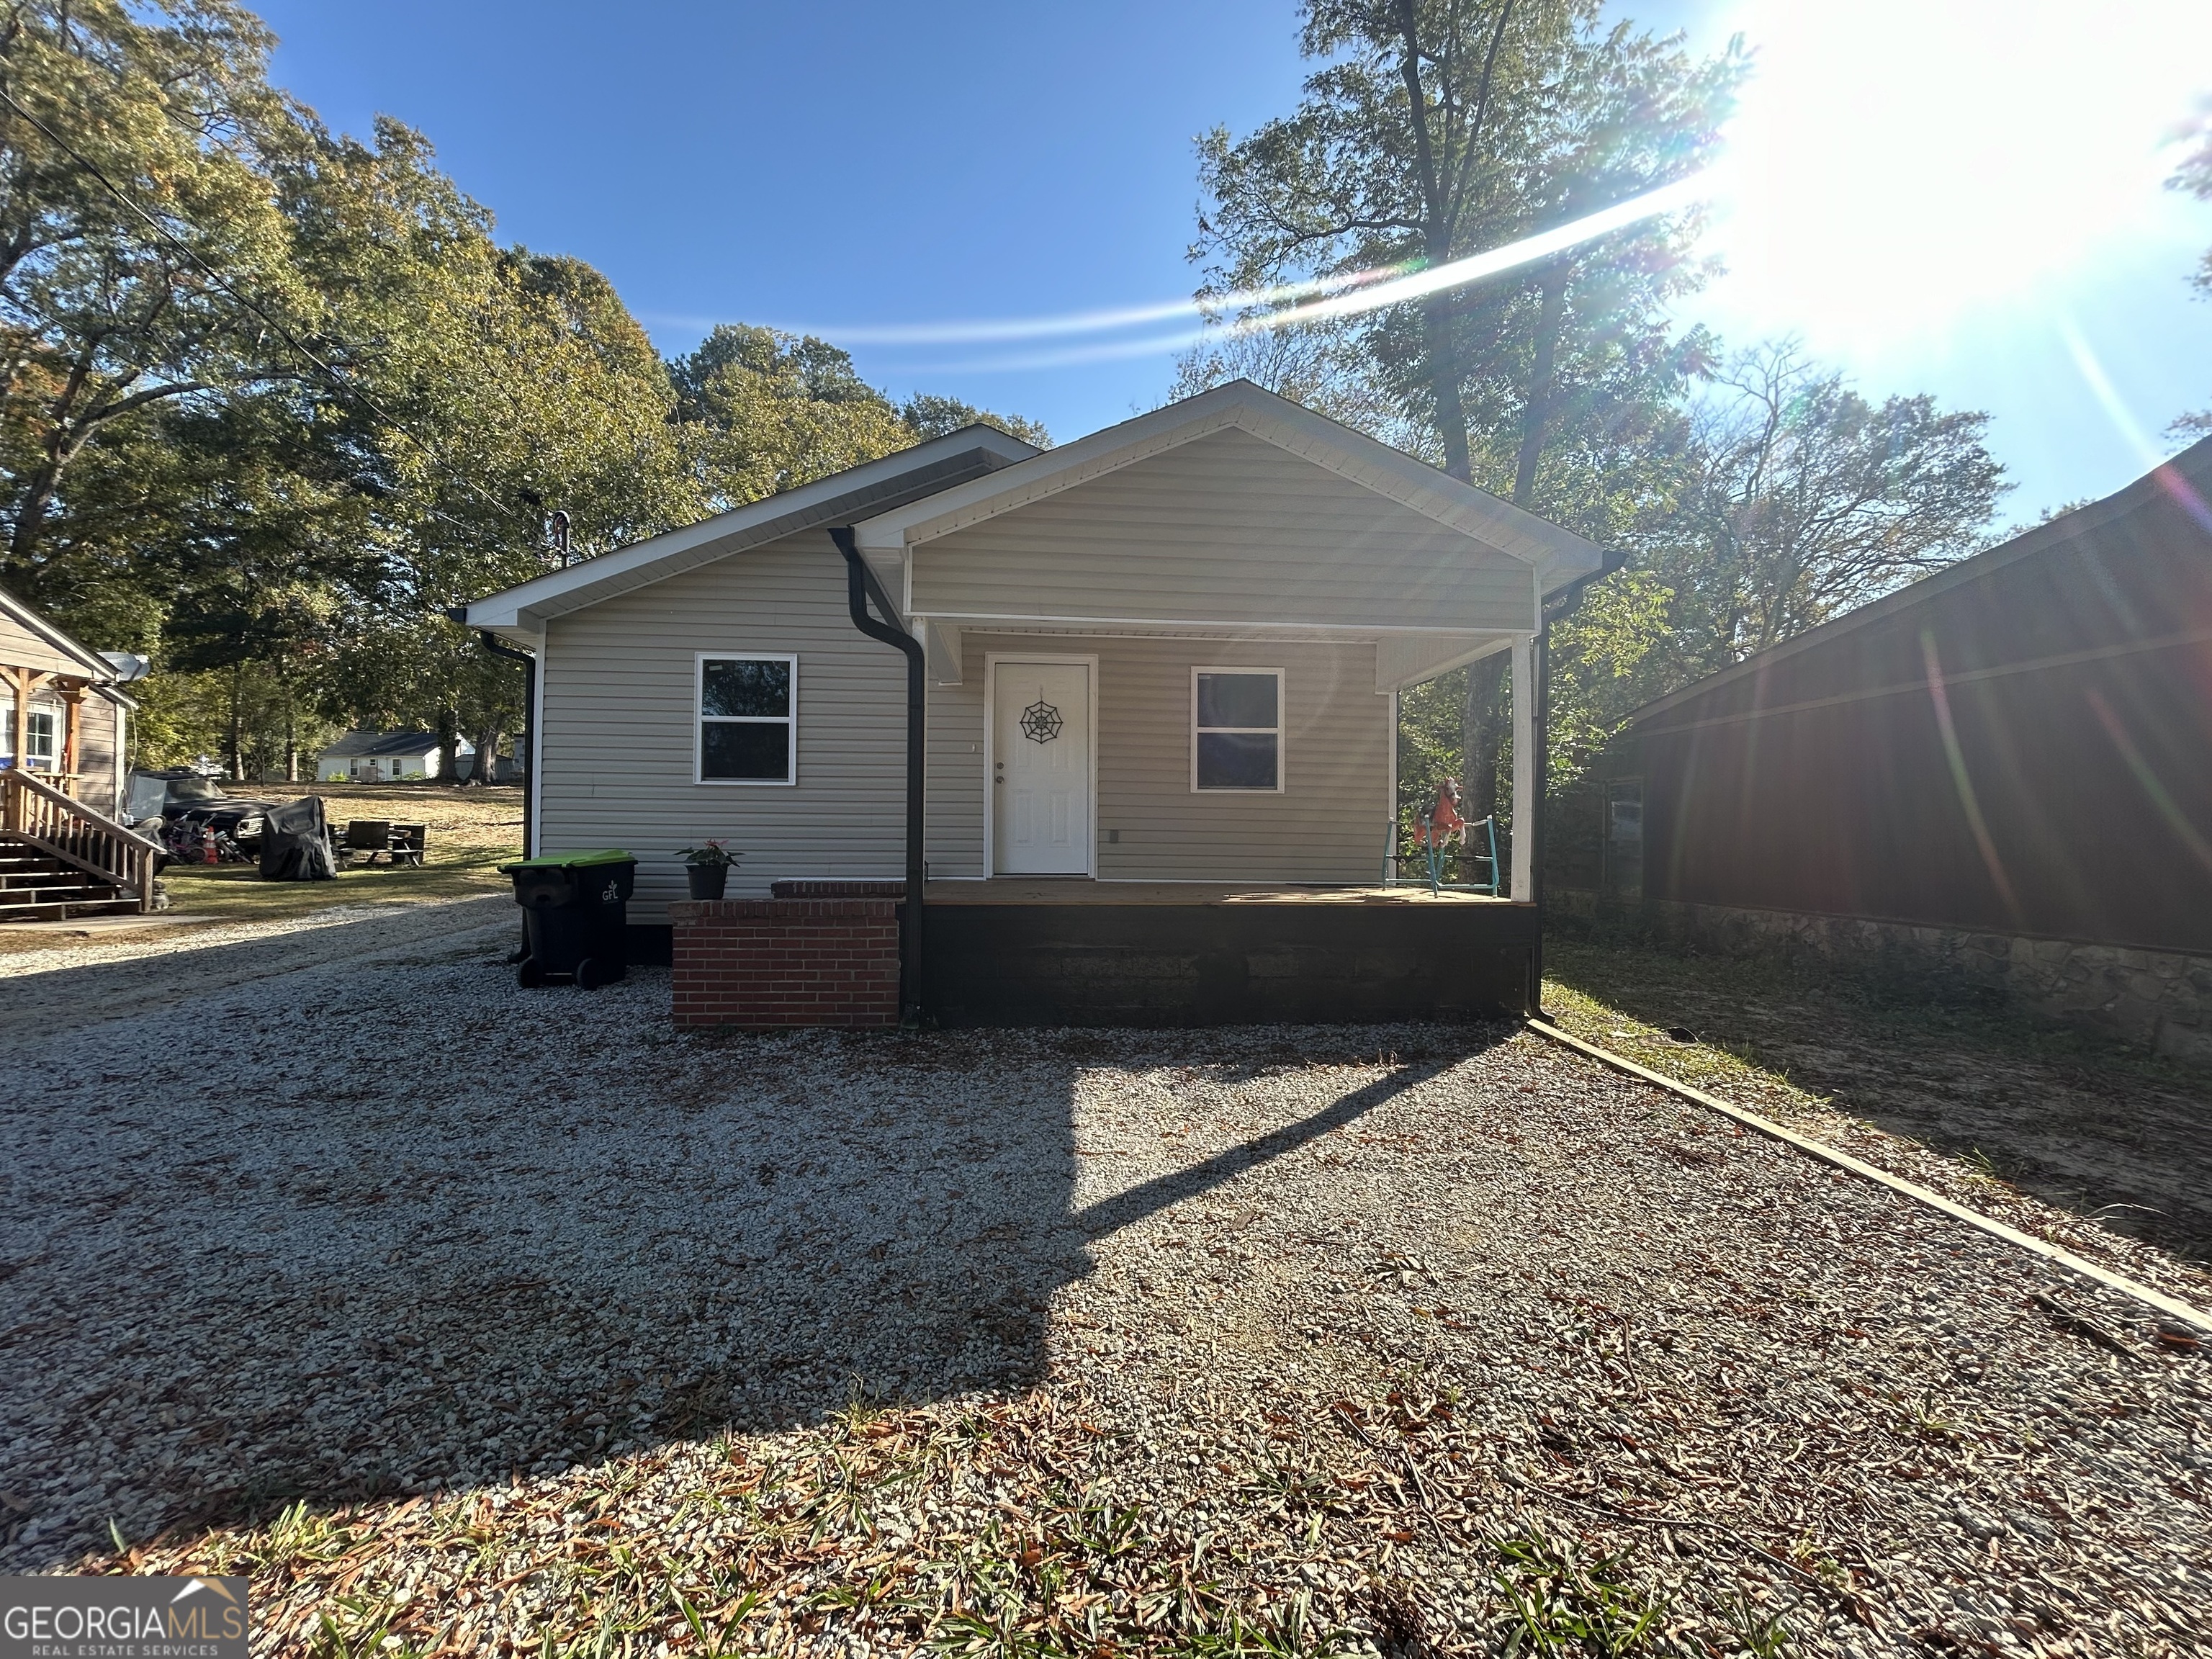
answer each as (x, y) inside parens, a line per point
(529, 975)
(589, 975)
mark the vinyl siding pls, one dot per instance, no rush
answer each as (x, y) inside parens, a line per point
(619, 712)
(1226, 528)
(20, 648)
(99, 778)
(1328, 825)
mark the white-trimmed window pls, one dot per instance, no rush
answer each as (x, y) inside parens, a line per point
(43, 729)
(1237, 730)
(748, 718)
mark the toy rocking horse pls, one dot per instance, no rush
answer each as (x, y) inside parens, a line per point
(1441, 824)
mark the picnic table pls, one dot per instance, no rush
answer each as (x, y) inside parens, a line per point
(370, 839)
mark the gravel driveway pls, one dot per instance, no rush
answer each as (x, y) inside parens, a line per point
(1387, 1337)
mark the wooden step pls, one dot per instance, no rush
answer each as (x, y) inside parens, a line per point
(76, 892)
(32, 880)
(13, 914)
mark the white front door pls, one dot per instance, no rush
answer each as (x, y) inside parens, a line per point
(1041, 768)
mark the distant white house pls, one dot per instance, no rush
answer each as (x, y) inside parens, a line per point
(388, 757)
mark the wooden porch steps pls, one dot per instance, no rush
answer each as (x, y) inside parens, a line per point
(36, 886)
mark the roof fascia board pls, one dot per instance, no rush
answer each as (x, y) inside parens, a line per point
(559, 592)
(2194, 464)
(1000, 622)
(103, 671)
(1559, 554)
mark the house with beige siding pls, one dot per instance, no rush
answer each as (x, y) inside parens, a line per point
(1152, 671)
(63, 727)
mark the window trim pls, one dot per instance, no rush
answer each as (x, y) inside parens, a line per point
(700, 718)
(1278, 730)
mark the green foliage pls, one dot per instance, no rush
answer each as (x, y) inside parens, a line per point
(1607, 659)
(762, 411)
(1561, 1601)
(274, 400)
(1799, 500)
(1756, 496)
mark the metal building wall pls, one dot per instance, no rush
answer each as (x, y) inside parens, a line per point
(2021, 745)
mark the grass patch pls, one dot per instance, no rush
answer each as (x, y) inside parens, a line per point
(471, 832)
(1984, 1102)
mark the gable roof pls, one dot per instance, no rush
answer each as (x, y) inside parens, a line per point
(97, 668)
(2186, 479)
(366, 744)
(838, 498)
(1559, 555)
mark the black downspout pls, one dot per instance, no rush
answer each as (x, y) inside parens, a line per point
(1568, 598)
(860, 586)
(526, 748)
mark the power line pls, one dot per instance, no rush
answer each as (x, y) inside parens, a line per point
(335, 379)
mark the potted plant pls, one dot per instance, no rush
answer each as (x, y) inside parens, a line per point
(707, 868)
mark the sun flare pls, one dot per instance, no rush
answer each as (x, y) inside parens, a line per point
(1898, 164)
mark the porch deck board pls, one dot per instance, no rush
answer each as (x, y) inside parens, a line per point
(1082, 890)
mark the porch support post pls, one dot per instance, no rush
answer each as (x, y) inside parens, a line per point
(1524, 769)
(20, 682)
(72, 698)
(1390, 812)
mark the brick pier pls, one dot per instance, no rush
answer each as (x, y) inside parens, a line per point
(819, 953)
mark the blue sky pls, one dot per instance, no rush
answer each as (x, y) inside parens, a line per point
(1962, 226)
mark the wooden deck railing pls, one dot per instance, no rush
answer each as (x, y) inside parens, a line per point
(41, 816)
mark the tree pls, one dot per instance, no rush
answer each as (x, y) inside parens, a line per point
(1436, 129)
(1802, 500)
(927, 416)
(763, 411)
(132, 145)
(2194, 175)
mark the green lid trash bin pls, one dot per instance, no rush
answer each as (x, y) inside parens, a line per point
(575, 916)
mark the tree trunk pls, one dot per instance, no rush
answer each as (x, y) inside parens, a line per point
(1536, 411)
(291, 739)
(487, 756)
(1444, 383)
(31, 521)
(1483, 734)
(235, 761)
(449, 744)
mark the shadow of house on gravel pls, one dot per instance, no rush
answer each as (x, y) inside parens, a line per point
(179, 968)
(2060, 1114)
(342, 1272)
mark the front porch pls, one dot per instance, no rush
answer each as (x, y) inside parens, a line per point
(1011, 951)
(1058, 952)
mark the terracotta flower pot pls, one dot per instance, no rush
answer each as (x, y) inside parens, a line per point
(707, 880)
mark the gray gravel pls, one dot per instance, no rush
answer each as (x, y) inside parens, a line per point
(382, 1224)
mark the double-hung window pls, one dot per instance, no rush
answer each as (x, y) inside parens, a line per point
(42, 730)
(748, 718)
(1236, 729)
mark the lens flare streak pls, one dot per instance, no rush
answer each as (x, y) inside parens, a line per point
(1255, 311)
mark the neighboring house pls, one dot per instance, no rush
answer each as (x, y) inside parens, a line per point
(1160, 669)
(2005, 767)
(63, 721)
(62, 708)
(387, 757)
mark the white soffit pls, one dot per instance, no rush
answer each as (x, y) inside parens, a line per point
(1560, 555)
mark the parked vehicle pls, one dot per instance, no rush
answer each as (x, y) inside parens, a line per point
(180, 806)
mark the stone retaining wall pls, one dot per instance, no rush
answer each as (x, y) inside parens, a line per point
(2162, 999)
